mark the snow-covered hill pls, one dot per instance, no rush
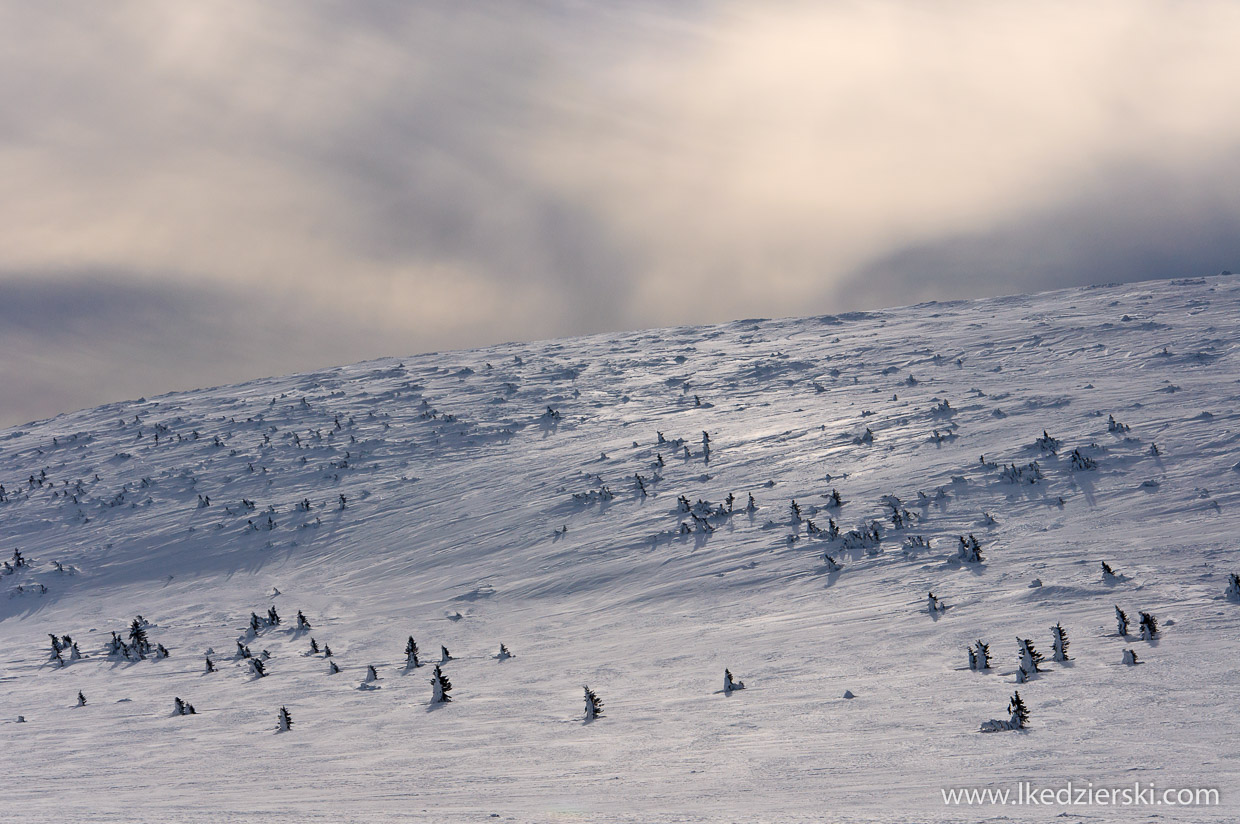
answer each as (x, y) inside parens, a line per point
(475, 498)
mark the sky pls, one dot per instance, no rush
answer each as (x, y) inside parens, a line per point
(200, 194)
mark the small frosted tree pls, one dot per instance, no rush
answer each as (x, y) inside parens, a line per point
(440, 687)
(594, 705)
(1233, 587)
(1108, 574)
(444, 655)
(371, 673)
(730, 684)
(979, 656)
(210, 664)
(1149, 627)
(1018, 717)
(302, 623)
(332, 669)
(504, 654)
(411, 654)
(1020, 713)
(284, 721)
(1029, 656)
(970, 550)
(258, 668)
(137, 637)
(81, 701)
(933, 605)
(1130, 658)
(1059, 643)
(1121, 622)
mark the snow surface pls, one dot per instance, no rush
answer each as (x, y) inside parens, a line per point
(459, 483)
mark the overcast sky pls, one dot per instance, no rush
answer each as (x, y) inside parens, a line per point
(203, 193)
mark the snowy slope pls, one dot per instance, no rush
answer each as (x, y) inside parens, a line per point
(460, 473)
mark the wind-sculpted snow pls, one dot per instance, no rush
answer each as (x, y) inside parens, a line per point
(586, 503)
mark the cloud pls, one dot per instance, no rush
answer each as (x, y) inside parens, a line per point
(390, 177)
(791, 146)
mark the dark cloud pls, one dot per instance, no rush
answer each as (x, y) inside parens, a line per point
(1138, 226)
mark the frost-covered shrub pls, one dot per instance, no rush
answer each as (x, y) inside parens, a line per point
(1018, 719)
(594, 705)
(1059, 643)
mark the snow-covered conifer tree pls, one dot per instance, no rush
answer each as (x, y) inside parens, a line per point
(258, 668)
(832, 564)
(970, 550)
(332, 669)
(1149, 627)
(1017, 720)
(1020, 713)
(1130, 658)
(730, 684)
(440, 687)
(284, 721)
(137, 637)
(594, 705)
(1059, 643)
(444, 655)
(933, 604)
(983, 655)
(371, 673)
(504, 654)
(1108, 574)
(411, 654)
(81, 702)
(210, 664)
(1121, 621)
(302, 623)
(1029, 656)
(1233, 587)
(273, 617)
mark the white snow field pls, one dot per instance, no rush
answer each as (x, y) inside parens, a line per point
(460, 473)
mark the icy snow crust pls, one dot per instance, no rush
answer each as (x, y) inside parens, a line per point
(460, 472)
